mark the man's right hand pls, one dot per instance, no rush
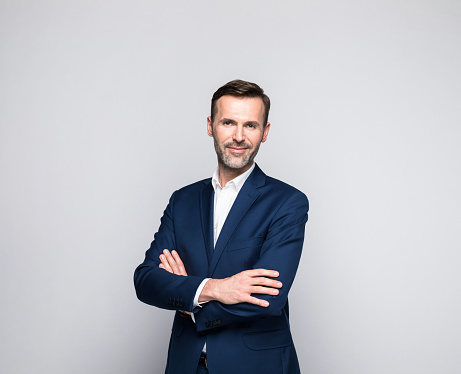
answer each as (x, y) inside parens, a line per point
(238, 288)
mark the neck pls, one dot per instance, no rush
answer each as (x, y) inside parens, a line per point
(226, 173)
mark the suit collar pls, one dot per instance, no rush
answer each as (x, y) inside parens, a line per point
(257, 178)
(237, 182)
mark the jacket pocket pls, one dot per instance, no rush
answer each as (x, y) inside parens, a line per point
(245, 243)
(267, 339)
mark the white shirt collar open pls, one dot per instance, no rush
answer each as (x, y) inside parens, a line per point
(237, 182)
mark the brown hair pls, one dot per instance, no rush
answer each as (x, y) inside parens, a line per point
(239, 88)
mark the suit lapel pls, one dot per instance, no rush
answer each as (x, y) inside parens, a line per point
(246, 197)
(206, 214)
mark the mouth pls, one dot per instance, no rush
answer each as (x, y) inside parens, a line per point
(237, 149)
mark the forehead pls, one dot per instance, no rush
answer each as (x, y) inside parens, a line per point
(240, 108)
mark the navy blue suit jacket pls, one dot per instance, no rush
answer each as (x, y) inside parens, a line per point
(264, 229)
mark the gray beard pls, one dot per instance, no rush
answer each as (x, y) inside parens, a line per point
(233, 162)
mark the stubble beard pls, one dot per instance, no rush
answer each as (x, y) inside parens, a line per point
(234, 162)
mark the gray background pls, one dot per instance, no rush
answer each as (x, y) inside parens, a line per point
(103, 108)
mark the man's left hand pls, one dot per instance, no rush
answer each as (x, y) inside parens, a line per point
(172, 263)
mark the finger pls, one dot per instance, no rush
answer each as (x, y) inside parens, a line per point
(264, 290)
(165, 263)
(171, 261)
(256, 301)
(182, 268)
(262, 273)
(262, 281)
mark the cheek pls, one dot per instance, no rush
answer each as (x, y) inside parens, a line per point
(255, 139)
(223, 136)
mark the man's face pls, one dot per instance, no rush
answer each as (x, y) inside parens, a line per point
(238, 130)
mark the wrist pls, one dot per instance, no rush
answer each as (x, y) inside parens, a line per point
(208, 292)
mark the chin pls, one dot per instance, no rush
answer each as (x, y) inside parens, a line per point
(237, 165)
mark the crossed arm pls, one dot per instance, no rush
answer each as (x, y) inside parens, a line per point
(162, 279)
(232, 290)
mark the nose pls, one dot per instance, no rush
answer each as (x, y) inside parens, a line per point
(239, 136)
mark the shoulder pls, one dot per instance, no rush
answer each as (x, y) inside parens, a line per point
(289, 206)
(196, 186)
(283, 190)
(273, 187)
(278, 184)
(191, 191)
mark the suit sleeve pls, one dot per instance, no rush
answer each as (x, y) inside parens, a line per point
(281, 251)
(158, 287)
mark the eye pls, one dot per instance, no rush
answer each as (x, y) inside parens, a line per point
(251, 126)
(227, 123)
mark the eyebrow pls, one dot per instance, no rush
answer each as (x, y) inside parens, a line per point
(254, 123)
(223, 120)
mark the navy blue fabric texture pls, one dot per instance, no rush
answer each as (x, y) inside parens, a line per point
(264, 229)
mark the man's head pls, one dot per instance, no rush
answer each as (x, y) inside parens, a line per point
(242, 89)
(238, 124)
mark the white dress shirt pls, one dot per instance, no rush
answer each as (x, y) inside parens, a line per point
(224, 198)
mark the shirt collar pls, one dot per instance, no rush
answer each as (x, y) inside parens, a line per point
(237, 181)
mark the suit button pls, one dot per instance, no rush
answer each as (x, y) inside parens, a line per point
(207, 324)
(218, 322)
(170, 303)
(180, 305)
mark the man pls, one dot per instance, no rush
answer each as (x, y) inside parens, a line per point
(227, 250)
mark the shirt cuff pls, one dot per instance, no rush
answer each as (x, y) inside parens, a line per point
(199, 291)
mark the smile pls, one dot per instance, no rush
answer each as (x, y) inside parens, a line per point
(237, 149)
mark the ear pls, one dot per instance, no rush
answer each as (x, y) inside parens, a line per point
(209, 126)
(266, 132)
